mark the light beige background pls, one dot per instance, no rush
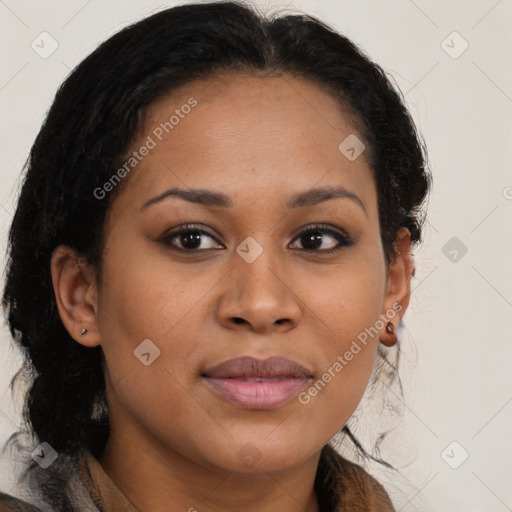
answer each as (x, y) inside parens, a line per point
(458, 347)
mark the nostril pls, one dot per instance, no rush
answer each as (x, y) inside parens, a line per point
(238, 320)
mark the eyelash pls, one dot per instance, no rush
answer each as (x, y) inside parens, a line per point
(343, 239)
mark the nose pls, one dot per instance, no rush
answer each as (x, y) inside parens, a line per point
(259, 297)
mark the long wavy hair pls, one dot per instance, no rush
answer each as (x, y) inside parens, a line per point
(90, 127)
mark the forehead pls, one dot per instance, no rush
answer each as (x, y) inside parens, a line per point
(253, 102)
(247, 132)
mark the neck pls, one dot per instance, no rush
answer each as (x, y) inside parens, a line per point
(152, 477)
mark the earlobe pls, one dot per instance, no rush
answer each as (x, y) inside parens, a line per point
(390, 337)
(74, 287)
(398, 288)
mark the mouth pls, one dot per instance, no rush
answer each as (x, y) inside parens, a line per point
(257, 384)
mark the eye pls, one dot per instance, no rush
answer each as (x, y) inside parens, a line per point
(190, 238)
(315, 237)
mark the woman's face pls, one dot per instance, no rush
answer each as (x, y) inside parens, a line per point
(248, 282)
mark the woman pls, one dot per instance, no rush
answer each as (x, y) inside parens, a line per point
(210, 254)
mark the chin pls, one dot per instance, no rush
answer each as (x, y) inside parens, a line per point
(264, 456)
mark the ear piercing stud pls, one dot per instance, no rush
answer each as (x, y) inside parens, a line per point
(83, 331)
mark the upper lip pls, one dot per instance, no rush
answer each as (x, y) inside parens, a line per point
(250, 367)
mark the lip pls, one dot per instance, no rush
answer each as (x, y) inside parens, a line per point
(253, 383)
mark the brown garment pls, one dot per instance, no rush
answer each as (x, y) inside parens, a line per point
(341, 486)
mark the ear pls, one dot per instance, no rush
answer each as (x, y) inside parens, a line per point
(398, 287)
(75, 290)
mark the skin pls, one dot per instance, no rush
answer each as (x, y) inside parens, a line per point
(258, 139)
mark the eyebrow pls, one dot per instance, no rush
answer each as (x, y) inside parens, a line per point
(207, 198)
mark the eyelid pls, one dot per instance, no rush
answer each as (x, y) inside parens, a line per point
(344, 240)
(188, 227)
(320, 226)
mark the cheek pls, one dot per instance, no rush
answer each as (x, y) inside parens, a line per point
(349, 351)
(347, 302)
(346, 298)
(143, 299)
(145, 295)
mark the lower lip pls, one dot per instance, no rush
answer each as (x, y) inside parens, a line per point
(250, 394)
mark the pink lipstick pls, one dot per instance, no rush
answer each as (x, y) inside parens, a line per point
(257, 384)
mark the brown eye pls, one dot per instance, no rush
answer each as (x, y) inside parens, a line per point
(190, 238)
(316, 239)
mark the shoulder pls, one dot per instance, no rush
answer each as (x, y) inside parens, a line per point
(356, 489)
(57, 487)
(11, 504)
